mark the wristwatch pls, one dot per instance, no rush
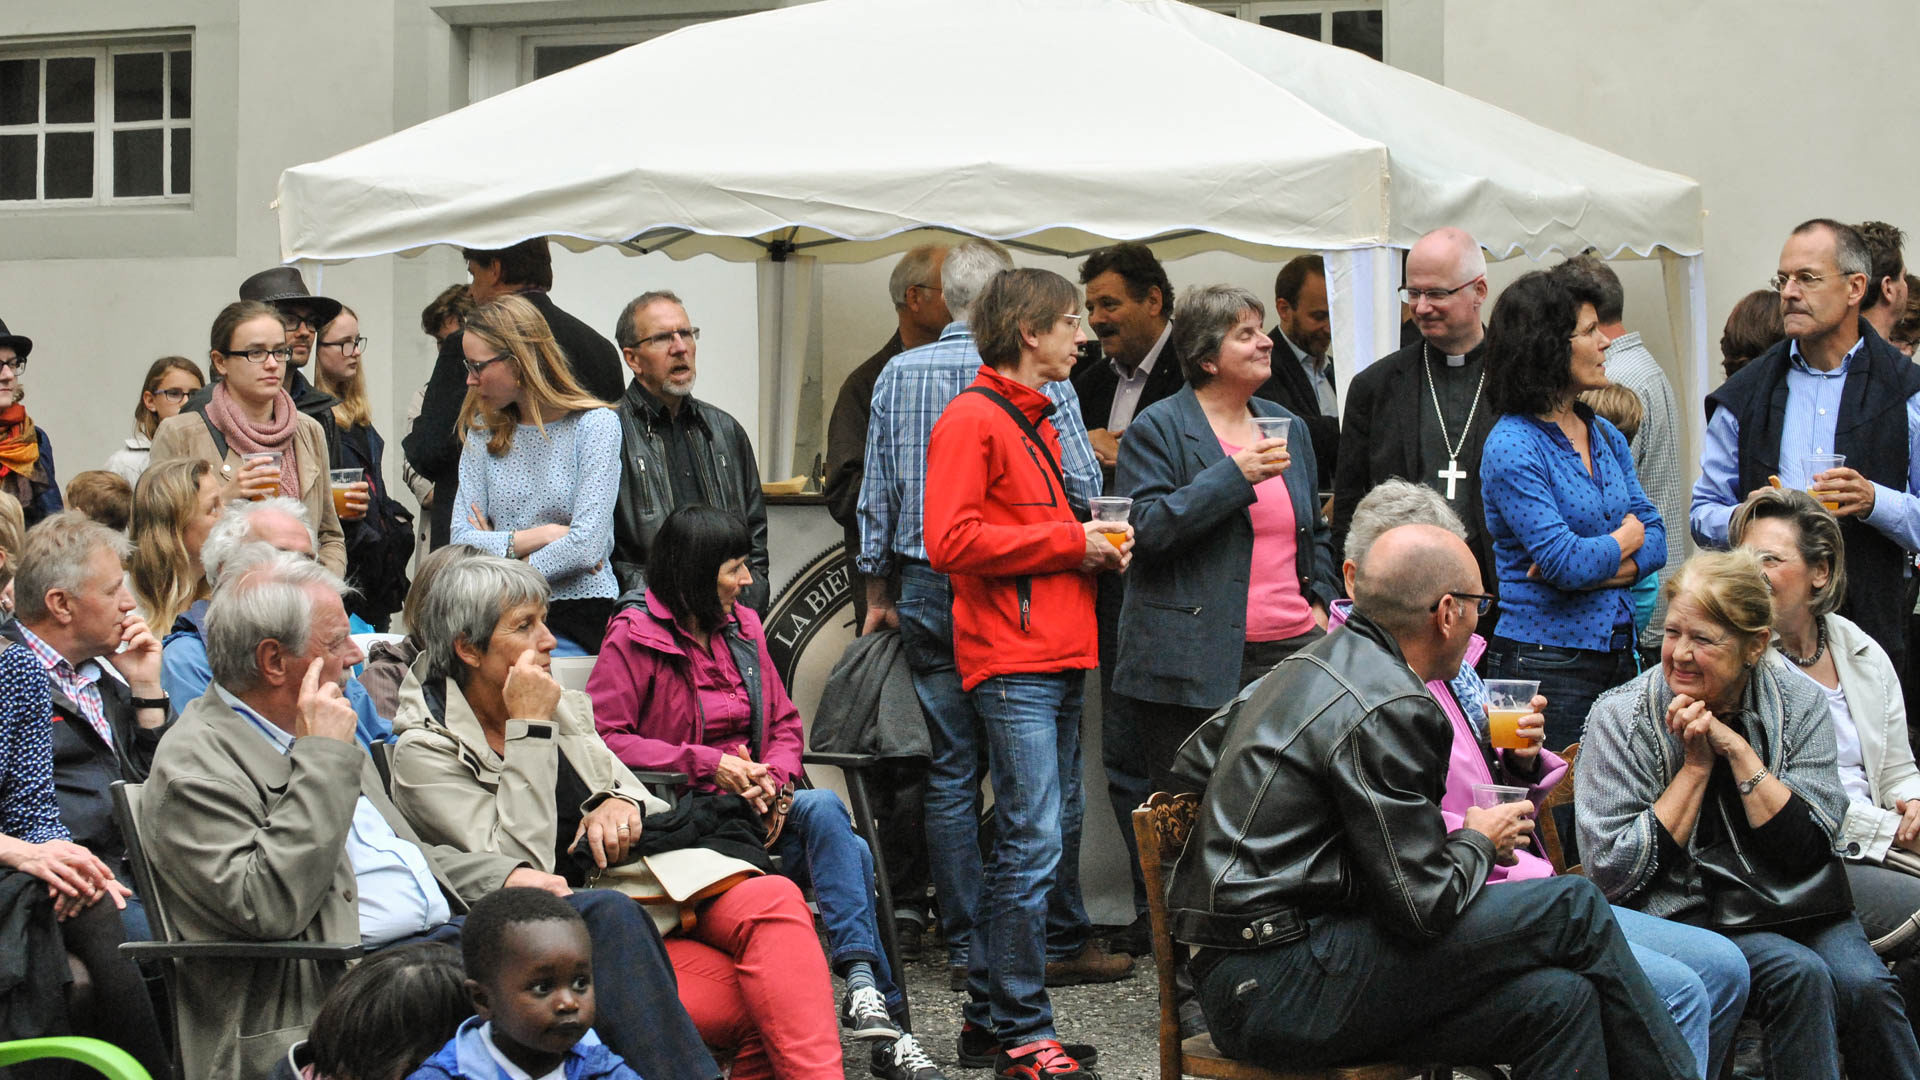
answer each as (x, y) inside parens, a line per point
(1747, 786)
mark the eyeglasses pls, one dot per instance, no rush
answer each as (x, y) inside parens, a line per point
(474, 369)
(294, 320)
(665, 337)
(1434, 296)
(1072, 318)
(284, 354)
(1806, 279)
(175, 395)
(352, 346)
(17, 363)
(1484, 600)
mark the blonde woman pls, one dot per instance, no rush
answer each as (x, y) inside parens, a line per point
(174, 506)
(13, 532)
(540, 468)
(379, 531)
(170, 381)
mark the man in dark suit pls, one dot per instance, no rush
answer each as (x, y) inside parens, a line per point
(1302, 371)
(1129, 304)
(525, 268)
(1421, 413)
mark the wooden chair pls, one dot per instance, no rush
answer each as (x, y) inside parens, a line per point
(1561, 795)
(1160, 829)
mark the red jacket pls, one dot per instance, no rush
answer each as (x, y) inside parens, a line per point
(998, 524)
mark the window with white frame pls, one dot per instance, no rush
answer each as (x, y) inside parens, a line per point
(1359, 25)
(100, 124)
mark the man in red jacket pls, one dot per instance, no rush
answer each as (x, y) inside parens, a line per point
(1022, 568)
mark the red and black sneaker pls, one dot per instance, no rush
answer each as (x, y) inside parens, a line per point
(977, 1049)
(1042, 1059)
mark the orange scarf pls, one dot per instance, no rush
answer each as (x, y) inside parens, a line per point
(19, 443)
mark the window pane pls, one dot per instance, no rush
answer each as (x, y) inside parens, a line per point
(1307, 26)
(182, 161)
(180, 86)
(1359, 31)
(70, 90)
(548, 59)
(136, 86)
(69, 164)
(19, 91)
(17, 160)
(136, 162)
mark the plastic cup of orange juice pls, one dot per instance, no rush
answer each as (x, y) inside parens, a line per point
(1507, 701)
(1112, 510)
(342, 481)
(1817, 464)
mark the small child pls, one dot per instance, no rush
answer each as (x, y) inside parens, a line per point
(383, 1017)
(1623, 408)
(103, 496)
(530, 974)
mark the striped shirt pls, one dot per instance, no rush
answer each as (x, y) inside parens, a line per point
(911, 393)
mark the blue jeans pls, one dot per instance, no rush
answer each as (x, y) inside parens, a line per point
(819, 848)
(1569, 678)
(1032, 727)
(1701, 975)
(1820, 992)
(953, 783)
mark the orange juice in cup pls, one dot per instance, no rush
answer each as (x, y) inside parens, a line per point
(272, 458)
(1508, 700)
(342, 482)
(1111, 510)
(1817, 464)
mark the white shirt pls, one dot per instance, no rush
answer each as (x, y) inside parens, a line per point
(1126, 393)
(508, 1068)
(1316, 370)
(399, 895)
(1846, 739)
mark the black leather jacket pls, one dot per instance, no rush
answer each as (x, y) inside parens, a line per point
(1323, 788)
(729, 478)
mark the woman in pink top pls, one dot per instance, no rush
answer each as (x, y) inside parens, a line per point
(1232, 562)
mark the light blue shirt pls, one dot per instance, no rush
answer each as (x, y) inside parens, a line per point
(1812, 414)
(398, 893)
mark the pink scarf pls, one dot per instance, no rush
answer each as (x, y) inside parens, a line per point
(247, 437)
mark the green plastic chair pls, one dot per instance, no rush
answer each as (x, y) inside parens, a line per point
(102, 1057)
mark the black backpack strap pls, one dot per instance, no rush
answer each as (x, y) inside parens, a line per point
(1026, 425)
(219, 439)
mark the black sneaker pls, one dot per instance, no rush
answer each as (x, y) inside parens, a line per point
(907, 934)
(1042, 1059)
(863, 1015)
(1134, 939)
(902, 1059)
(977, 1048)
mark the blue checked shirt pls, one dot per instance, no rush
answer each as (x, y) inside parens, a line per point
(913, 390)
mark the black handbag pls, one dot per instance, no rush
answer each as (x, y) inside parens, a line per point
(1745, 891)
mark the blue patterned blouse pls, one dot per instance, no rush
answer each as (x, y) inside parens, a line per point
(28, 811)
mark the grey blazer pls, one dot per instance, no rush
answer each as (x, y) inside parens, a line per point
(1184, 621)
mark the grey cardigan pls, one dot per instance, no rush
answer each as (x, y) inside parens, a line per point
(1628, 757)
(1184, 620)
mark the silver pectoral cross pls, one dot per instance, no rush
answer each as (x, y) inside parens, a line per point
(1450, 474)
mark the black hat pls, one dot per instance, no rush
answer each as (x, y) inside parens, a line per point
(284, 288)
(19, 343)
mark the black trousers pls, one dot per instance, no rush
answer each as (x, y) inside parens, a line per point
(1535, 974)
(1161, 729)
(636, 993)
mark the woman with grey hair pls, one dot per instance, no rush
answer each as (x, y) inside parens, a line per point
(1233, 564)
(1800, 548)
(493, 755)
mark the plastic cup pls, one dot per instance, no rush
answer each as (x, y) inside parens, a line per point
(1488, 796)
(1272, 427)
(342, 481)
(272, 457)
(1817, 464)
(1112, 510)
(1507, 701)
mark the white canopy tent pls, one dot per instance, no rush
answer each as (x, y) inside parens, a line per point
(810, 132)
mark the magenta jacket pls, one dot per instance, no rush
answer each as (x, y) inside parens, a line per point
(644, 705)
(1468, 764)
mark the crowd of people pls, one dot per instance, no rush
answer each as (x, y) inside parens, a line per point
(1371, 639)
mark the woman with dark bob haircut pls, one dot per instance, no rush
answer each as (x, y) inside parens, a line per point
(1753, 327)
(1571, 528)
(684, 683)
(385, 1016)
